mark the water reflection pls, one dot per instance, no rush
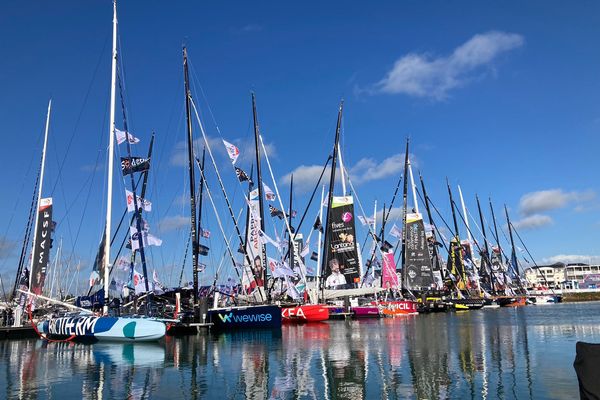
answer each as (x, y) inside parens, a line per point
(488, 354)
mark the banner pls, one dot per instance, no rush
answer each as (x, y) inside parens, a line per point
(129, 165)
(342, 266)
(121, 137)
(389, 279)
(417, 261)
(232, 151)
(147, 239)
(43, 242)
(254, 248)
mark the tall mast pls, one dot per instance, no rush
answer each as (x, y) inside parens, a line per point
(458, 249)
(404, 205)
(326, 239)
(486, 258)
(111, 144)
(261, 211)
(464, 211)
(498, 244)
(413, 187)
(429, 216)
(190, 145)
(513, 254)
(320, 233)
(39, 196)
(289, 216)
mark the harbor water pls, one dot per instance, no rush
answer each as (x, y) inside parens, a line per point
(502, 353)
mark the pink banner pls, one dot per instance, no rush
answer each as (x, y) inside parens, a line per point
(389, 277)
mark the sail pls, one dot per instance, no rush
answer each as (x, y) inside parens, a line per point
(388, 273)
(419, 274)
(43, 243)
(253, 250)
(342, 253)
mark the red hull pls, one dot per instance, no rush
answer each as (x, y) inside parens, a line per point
(305, 313)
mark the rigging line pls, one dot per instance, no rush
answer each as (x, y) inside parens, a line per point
(83, 105)
(221, 262)
(434, 224)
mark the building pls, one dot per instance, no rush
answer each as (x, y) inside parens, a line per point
(582, 276)
(546, 275)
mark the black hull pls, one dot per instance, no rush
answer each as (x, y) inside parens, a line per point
(250, 317)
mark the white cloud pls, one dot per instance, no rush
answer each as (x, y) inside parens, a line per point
(545, 200)
(172, 223)
(571, 258)
(533, 222)
(365, 170)
(422, 75)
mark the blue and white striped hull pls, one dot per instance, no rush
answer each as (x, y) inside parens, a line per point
(93, 328)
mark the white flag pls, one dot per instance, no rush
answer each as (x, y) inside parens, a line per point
(365, 220)
(121, 137)
(269, 195)
(305, 249)
(232, 150)
(94, 277)
(264, 238)
(396, 232)
(139, 283)
(147, 239)
(122, 263)
(143, 203)
(254, 194)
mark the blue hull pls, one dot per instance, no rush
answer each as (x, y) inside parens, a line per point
(250, 317)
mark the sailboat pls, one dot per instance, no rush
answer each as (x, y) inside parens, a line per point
(86, 327)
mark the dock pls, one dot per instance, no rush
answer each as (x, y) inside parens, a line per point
(17, 332)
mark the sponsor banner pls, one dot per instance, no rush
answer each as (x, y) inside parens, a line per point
(43, 242)
(342, 253)
(254, 248)
(129, 165)
(418, 272)
(388, 273)
(268, 316)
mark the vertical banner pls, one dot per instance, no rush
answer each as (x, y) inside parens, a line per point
(253, 249)
(342, 254)
(41, 252)
(388, 275)
(418, 274)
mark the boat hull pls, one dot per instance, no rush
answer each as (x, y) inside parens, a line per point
(305, 313)
(250, 317)
(94, 328)
(400, 307)
(365, 312)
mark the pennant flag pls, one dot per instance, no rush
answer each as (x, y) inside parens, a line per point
(396, 232)
(203, 250)
(365, 220)
(122, 134)
(94, 278)
(122, 263)
(314, 256)
(279, 270)
(242, 176)
(254, 194)
(139, 283)
(318, 225)
(269, 195)
(264, 238)
(129, 165)
(305, 250)
(201, 267)
(294, 213)
(142, 203)
(275, 212)
(232, 150)
(205, 233)
(241, 249)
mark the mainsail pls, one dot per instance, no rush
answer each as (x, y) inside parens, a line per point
(342, 248)
(418, 266)
(43, 243)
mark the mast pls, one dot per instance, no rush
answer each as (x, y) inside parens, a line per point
(458, 246)
(513, 254)
(464, 211)
(190, 145)
(486, 257)
(289, 216)
(429, 216)
(260, 190)
(326, 239)
(404, 205)
(498, 244)
(39, 196)
(320, 231)
(111, 145)
(413, 187)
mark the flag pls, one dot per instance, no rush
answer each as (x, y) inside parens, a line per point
(366, 220)
(396, 232)
(201, 267)
(147, 239)
(205, 233)
(232, 150)
(94, 278)
(121, 137)
(122, 263)
(275, 212)
(142, 203)
(318, 225)
(139, 283)
(294, 213)
(129, 165)
(269, 195)
(264, 238)
(203, 250)
(305, 250)
(242, 176)
(314, 256)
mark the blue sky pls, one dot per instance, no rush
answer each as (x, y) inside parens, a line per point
(502, 99)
